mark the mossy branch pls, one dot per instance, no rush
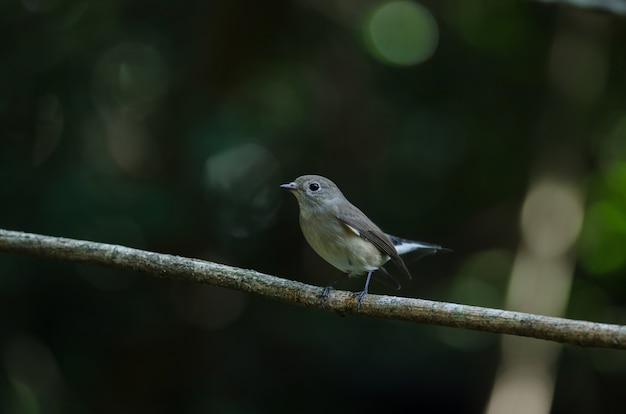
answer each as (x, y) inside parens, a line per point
(562, 330)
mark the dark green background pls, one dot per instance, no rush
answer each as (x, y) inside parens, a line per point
(168, 126)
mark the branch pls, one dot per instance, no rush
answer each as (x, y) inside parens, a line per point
(610, 6)
(569, 331)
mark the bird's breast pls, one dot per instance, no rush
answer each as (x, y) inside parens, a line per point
(340, 246)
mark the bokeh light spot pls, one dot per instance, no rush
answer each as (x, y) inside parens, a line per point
(603, 237)
(128, 83)
(613, 145)
(34, 373)
(552, 217)
(616, 181)
(130, 76)
(401, 33)
(24, 399)
(241, 182)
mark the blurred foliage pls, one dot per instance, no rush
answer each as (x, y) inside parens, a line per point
(169, 125)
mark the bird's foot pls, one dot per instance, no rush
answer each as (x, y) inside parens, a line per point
(361, 295)
(324, 294)
(364, 291)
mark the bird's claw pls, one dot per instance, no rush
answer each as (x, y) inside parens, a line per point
(324, 294)
(326, 291)
(360, 299)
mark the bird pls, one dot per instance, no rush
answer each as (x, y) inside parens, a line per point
(346, 238)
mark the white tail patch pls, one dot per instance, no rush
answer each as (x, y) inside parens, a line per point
(405, 246)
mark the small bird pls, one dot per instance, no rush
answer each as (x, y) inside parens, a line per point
(345, 237)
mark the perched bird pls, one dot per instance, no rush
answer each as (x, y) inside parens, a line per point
(345, 237)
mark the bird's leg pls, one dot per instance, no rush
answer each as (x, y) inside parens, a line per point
(327, 289)
(364, 292)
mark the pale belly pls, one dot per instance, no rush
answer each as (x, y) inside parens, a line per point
(342, 248)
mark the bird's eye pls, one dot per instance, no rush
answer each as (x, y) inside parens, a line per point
(314, 187)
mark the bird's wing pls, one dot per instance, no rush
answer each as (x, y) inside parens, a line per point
(364, 228)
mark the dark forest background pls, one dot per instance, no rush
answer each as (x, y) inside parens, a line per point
(168, 126)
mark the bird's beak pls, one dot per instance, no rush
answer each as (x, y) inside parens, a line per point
(289, 186)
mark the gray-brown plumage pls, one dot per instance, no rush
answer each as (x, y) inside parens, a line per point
(343, 235)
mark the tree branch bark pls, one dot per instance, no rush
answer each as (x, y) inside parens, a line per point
(562, 330)
(610, 6)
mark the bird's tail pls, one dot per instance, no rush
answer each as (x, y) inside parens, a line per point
(405, 246)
